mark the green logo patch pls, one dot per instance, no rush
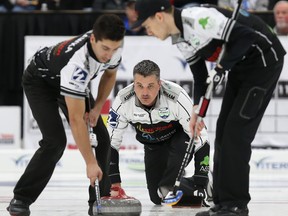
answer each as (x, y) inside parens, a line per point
(205, 162)
(203, 22)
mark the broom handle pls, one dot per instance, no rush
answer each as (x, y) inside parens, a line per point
(94, 145)
(98, 199)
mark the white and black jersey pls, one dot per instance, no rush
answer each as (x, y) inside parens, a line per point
(71, 65)
(171, 111)
(205, 29)
(154, 126)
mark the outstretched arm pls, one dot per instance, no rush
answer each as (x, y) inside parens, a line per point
(76, 110)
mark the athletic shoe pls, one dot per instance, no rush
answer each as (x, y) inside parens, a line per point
(224, 211)
(90, 210)
(232, 211)
(18, 208)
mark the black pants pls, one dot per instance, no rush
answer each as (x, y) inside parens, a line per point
(44, 102)
(163, 161)
(247, 95)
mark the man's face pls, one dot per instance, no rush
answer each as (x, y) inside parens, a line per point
(281, 15)
(146, 88)
(131, 13)
(156, 26)
(104, 49)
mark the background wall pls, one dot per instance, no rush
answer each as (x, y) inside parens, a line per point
(273, 131)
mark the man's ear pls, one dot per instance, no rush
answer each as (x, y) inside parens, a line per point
(159, 16)
(92, 38)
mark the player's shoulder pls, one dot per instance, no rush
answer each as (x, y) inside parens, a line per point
(192, 13)
(171, 90)
(126, 93)
(76, 42)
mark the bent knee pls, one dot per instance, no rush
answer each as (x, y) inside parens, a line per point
(56, 144)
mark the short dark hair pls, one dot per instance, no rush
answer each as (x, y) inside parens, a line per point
(109, 26)
(147, 68)
(130, 4)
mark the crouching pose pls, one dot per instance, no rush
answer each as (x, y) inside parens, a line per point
(159, 111)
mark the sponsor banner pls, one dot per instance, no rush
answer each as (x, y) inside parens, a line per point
(267, 166)
(273, 131)
(269, 161)
(10, 127)
(16, 161)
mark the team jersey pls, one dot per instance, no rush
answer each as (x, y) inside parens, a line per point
(171, 112)
(71, 64)
(249, 41)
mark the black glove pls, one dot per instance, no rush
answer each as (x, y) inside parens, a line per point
(216, 77)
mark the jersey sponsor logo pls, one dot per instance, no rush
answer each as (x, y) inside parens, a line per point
(158, 138)
(204, 169)
(194, 41)
(203, 22)
(206, 23)
(205, 162)
(164, 112)
(148, 137)
(171, 96)
(189, 22)
(153, 129)
(79, 75)
(129, 96)
(113, 118)
(140, 115)
(186, 47)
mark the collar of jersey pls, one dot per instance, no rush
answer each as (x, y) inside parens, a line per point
(177, 38)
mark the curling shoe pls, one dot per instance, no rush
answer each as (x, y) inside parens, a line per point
(18, 208)
(224, 211)
(90, 209)
(232, 211)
